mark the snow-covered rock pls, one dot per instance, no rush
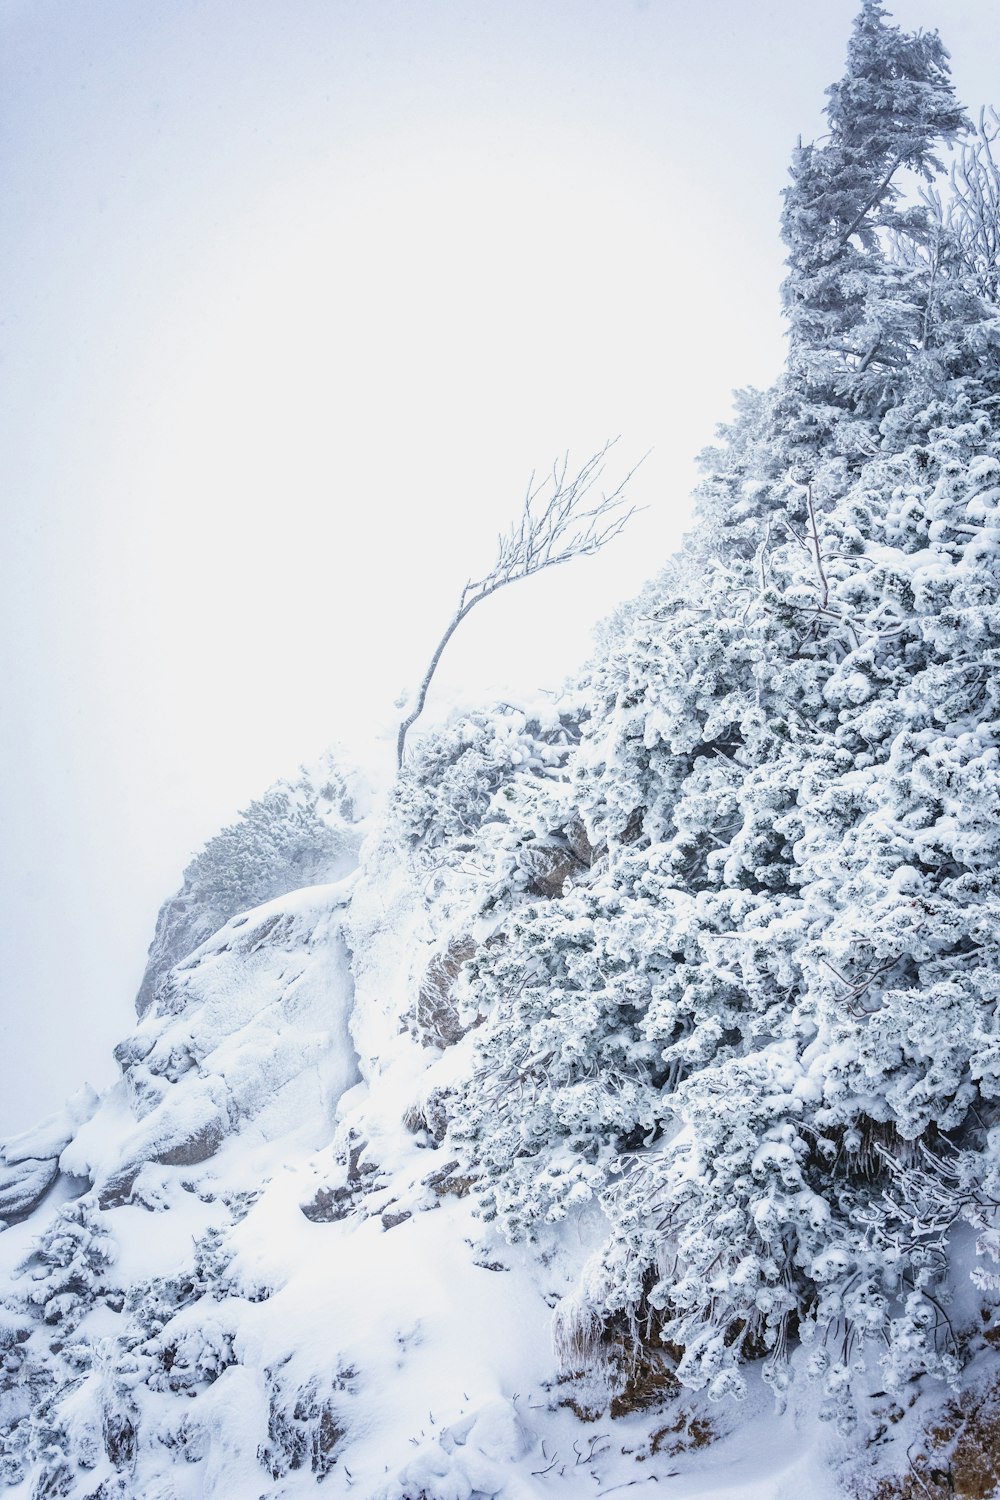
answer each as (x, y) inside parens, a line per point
(46, 1140)
(253, 1026)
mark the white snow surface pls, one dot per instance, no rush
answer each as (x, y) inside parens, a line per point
(390, 1346)
(48, 1138)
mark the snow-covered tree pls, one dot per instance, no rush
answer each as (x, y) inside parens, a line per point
(852, 313)
(774, 983)
(862, 290)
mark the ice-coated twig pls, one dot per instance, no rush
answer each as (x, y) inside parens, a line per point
(589, 1456)
(537, 1473)
(646, 1479)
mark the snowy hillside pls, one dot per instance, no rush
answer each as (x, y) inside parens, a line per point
(259, 1265)
(609, 1104)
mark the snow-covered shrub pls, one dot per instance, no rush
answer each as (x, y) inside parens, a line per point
(781, 973)
(299, 833)
(778, 977)
(70, 1264)
(305, 1426)
(448, 786)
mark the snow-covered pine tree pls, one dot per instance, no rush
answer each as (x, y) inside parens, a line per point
(854, 317)
(857, 308)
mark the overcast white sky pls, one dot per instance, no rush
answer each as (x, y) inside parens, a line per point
(294, 297)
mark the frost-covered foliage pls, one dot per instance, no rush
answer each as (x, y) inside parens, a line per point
(69, 1266)
(776, 985)
(448, 844)
(882, 305)
(301, 832)
(787, 958)
(450, 788)
(68, 1272)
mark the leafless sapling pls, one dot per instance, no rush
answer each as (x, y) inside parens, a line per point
(973, 214)
(563, 516)
(962, 228)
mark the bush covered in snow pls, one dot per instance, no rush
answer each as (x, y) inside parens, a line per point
(299, 833)
(777, 988)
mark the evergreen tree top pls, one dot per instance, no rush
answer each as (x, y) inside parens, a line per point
(895, 100)
(855, 316)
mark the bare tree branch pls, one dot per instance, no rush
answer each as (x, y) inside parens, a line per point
(966, 223)
(563, 516)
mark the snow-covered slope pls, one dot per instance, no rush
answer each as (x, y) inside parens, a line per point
(253, 1265)
(256, 1263)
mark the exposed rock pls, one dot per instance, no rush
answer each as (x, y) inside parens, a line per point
(956, 1455)
(361, 1178)
(436, 1017)
(448, 1180)
(329, 1205)
(563, 855)
(23, 1185)
(195, 1148)
(390, 1220)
